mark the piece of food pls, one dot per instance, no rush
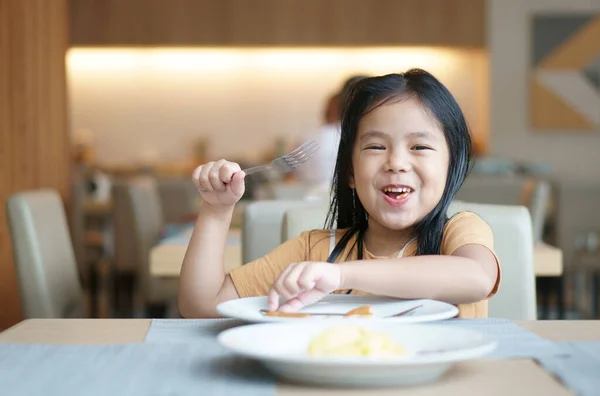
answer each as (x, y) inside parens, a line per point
(354, 341)
(364, 310)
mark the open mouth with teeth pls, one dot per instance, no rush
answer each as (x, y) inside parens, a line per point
(397, 193)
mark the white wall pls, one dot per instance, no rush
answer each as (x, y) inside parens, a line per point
(152, 104)
(570, 153)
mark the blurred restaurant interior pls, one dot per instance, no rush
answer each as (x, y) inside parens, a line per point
(106, 107)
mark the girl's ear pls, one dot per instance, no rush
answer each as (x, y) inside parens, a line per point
(351, 183)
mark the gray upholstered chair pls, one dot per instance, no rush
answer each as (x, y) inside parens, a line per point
(262, 222)
(511, 189)
(178, 197)
(138, 223)
(45, 263)
(511, 226)
(513, 244)
(494, 189)
(539, 204)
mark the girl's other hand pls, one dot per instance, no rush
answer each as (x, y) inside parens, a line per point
(302, 284)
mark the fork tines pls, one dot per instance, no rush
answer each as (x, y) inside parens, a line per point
(301, 154)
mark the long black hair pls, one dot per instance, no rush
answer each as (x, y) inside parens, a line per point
(346, 210)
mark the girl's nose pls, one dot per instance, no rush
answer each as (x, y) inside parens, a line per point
(398, 161)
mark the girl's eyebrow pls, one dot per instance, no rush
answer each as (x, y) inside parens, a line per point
(374, 134)
(422, 134)
(418, 134)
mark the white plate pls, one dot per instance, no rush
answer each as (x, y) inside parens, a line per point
(248, 309)
(282, 348)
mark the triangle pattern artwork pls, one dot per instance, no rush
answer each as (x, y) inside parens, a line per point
(592, 73)
(549, 31)
(565, 76)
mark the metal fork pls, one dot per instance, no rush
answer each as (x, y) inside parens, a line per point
(307, 314)
(288, 162)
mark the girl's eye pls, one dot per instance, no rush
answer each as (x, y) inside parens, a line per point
(420, 147)
(374, 147)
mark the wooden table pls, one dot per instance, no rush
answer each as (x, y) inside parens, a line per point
(547, 260)
(487, 377)
(166, 259)
(97, 208)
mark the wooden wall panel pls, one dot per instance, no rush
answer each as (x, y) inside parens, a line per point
(278, 22)
(34, 139)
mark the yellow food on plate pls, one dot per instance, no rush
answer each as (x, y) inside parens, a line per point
(354, 341)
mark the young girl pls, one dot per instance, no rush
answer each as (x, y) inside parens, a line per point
(404, 153)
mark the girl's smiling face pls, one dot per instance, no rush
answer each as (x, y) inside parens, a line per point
(400, 164)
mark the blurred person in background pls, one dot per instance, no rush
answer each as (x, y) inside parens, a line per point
(317, 172)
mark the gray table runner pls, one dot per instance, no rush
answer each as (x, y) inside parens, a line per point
(182, 357)
(575, 364)
(572, 363)
(513, 340)
(577, 367)
(183, 361)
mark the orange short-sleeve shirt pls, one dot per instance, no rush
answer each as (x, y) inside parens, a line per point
(256, 278)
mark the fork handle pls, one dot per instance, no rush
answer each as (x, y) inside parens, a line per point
(255, 169)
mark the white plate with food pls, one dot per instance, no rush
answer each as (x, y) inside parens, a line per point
(335, 306)
(356, 352)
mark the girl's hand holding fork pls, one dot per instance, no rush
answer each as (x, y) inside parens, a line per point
(221, 183)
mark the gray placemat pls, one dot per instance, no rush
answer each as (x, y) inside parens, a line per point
(145, 369)
(513, 340)
(188, 330)
(578, 367)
